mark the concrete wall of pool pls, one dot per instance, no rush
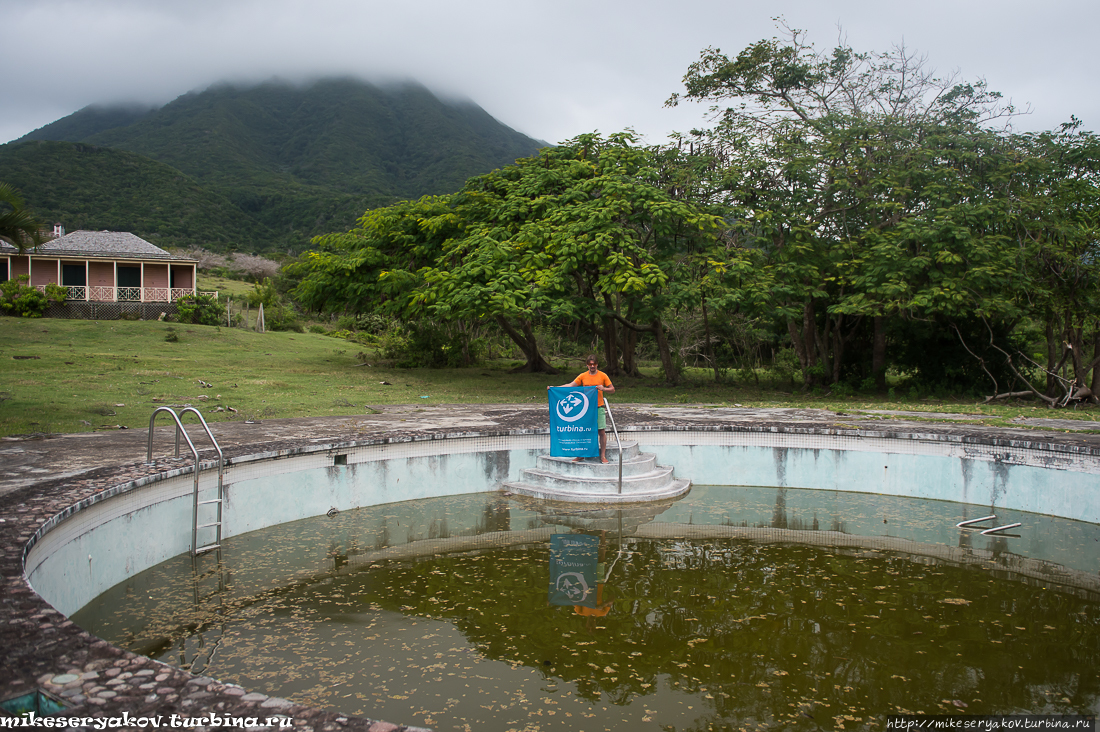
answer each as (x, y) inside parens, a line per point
(98, 543)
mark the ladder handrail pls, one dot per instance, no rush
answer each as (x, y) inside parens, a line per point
(206, 427)
(607, 405)
(180, 429)
(195, 548)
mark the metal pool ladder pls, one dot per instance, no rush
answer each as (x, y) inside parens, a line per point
(195, 502)
(994, 531)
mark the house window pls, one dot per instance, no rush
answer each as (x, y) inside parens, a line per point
(129, 283)
(3, 270)
(74, 275)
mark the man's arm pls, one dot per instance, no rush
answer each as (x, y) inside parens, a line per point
(571, 383)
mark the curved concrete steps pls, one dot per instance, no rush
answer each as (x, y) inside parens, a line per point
(590, 481)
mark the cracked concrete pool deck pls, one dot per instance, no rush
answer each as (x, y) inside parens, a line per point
(41, 476)
(28, 461)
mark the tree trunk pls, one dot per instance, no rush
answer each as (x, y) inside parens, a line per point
(809, 341)
(629, 344)
(529, 345)
(1076, 338)
(1095, 369)
(610, 347)
(822, 341)
(838, 351)
(672, 373)
(1053, 353)
(629, 349)
(796, 344)
(466, 360)
(710, 350)
(804, 341)
(878, 354)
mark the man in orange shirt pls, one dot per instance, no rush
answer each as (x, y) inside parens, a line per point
(594, 377)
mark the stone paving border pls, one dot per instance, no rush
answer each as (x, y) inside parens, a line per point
(39, 479)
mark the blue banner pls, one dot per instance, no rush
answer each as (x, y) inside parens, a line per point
(573, 430)
(574, 561)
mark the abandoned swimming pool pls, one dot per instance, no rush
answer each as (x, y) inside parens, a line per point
(728, 606)
(70, 564)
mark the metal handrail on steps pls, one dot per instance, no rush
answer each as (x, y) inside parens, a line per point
(607, 405)
(195, 503)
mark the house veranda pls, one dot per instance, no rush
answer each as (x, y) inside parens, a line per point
(108, 274)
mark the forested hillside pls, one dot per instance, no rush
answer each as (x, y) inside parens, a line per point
(88, 121)
(87, 187)
(292, 161)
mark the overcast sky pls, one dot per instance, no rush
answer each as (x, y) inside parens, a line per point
(551, 70)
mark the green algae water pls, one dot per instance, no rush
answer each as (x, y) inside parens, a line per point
(731, 608)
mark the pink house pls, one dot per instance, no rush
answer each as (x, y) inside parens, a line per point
(103, 267)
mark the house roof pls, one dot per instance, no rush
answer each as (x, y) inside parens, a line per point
(98, 245)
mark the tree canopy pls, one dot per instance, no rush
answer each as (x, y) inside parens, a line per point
(854, 209)
(880, 195)
(582, 232)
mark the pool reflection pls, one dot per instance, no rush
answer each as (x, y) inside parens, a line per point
(688, 614)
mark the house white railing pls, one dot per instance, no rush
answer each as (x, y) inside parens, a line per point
(102, 293)
(98, 293)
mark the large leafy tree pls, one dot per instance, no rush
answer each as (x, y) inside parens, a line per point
(833, 168)
(585, 233)
(1058, 232)
(375, 267)
(18, 226)
(582, 233)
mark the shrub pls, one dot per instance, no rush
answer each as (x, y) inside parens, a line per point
(200, 310)
(282, 317)
(57, 293)
(374, 324)
(368, 323)
(350, 335)
(427, 344)
(277, 314)
(843, 390)
(264, 293)
(785, 365)
(19, 298)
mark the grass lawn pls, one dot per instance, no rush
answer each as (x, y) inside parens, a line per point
(224, 286)
(77, 375)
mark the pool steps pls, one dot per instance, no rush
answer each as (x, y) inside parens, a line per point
(590, 481)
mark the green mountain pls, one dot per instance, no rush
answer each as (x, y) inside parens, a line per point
(89, 121)
(87, 187)
(294, 160)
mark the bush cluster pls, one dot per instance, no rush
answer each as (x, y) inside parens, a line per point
(19, 298)
(200, 310)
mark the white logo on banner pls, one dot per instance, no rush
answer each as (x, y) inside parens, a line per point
(573, 586)
(573, 406)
